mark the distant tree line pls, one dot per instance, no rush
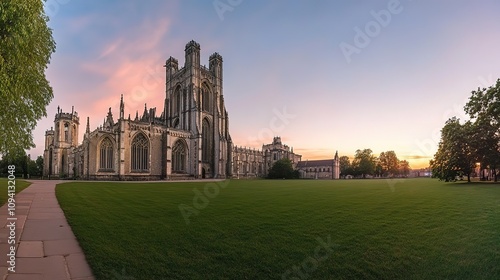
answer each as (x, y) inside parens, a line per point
(476, 141)
(365, 163)
(25, 166)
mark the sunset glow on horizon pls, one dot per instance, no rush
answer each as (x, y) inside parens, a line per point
(285, 73)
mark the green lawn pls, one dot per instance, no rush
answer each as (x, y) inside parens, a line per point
(20, 185)
(264, 229)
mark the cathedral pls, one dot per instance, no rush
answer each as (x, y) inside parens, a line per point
(189, 139)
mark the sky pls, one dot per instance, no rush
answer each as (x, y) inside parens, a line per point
(322, 75)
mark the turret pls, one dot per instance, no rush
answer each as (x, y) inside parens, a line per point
(192, 54)
(66, 128)
(336, 166)
(215, 65)
(171, 66)
(49, 138)
(109, 122)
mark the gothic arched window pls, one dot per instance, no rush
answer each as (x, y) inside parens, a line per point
(66, 125)
(106, 155)
(179, 152)
(177, 102)
(206, 144)
(140, 154)
(205, 94)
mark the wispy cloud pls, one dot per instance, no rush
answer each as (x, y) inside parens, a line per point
(131, 66)
(111, 48)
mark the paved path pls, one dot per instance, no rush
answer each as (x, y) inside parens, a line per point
(47, 248)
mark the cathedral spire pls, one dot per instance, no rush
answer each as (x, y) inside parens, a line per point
(145, 115)
(87, 129)
(109, 119)
(122, 108)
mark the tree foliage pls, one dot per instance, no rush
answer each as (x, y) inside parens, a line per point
(483, 108)
(26, 45)
(24, 165)
(283, 169)
(389, 163)
(455, 155)
(345, 166)
(404, 168)
(364, 162)
(484, 104)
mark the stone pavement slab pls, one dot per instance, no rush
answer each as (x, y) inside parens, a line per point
(46, 247)
(30, 249)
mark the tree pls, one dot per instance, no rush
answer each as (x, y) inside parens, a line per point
(379, 170)
(484, 104)
(39, 164)
(483, 108)
(455, 154)
(24, 165)
(345, 166)
(364, 162)
(404, 168)
(485, 146)
(19, 159)
(26, 45)
(283, 169)
(389, 163)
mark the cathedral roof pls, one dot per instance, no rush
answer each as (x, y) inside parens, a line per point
(315, 163)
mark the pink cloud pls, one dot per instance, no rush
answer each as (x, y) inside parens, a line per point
(132, 67)
(110, 48)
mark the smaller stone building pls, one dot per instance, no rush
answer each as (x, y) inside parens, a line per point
(61, 143)
(250, 163)
(320, 169)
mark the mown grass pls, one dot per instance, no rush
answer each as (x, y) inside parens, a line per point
(260, 229)
(20, 185)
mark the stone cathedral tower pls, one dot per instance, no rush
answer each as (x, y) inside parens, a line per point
(195, 103)
(60, 143)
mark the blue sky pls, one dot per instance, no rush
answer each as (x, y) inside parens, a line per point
(284, 58)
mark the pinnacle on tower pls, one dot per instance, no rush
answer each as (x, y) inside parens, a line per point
(109, 118)
(87, 129)
(145, 115)
(122, 107)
